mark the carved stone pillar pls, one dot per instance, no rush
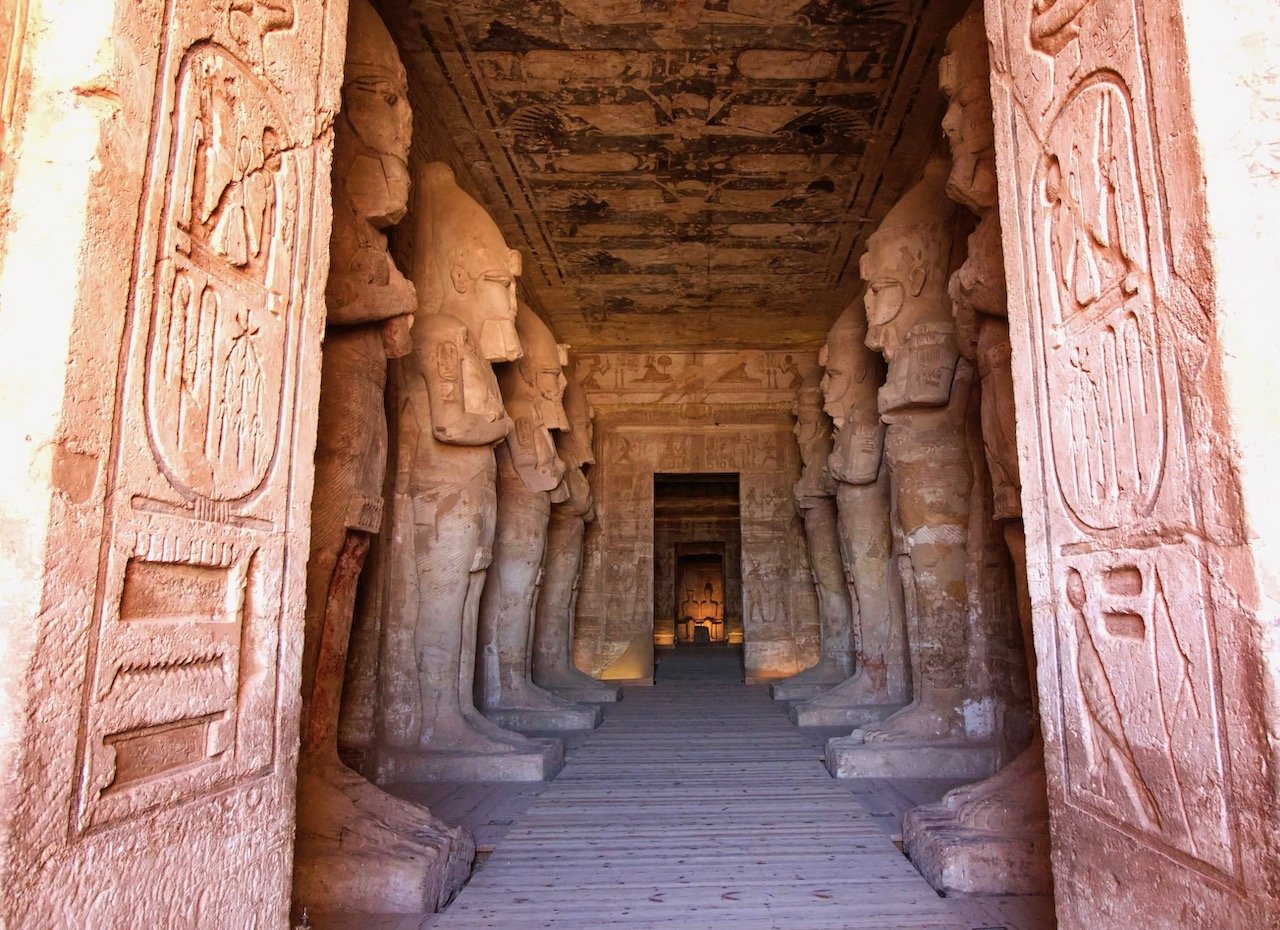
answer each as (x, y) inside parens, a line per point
(530, 478)
(161, 369)
(1137, 387)
(553, 666)
(815, 500)
(449, 418)
(924, 403)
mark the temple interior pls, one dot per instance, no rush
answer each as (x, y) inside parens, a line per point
(639, 463)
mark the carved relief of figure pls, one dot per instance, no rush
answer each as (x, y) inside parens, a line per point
(449, 416)
(530, 478)
(1009, 811)
(557, 606)
(815, 496)
(404, 858)
(923, 404)
(850, 389)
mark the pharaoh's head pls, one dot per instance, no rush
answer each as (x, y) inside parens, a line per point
(905, 265)
(462, 265)
(371, 147)
(847, 381)
(542, 368)
(964, 75)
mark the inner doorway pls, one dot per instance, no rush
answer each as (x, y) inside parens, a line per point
(699, 596)
(697, 573)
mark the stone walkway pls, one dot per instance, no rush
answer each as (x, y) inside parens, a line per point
(696, 804)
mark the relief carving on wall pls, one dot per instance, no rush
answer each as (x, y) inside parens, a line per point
(182, 684)
(1133, 487)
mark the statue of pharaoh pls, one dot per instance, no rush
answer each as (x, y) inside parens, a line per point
(358, 847)
(553, 666)
(923, 405)
(449, 416)
(530, 478)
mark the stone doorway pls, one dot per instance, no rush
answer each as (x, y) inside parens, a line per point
(697, 572)
(700, 599)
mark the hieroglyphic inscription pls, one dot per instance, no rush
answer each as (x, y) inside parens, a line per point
(1114, 342)
(182, 683)
(1104, 373)
(223, 275)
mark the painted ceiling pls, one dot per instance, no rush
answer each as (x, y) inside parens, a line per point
(683, 174)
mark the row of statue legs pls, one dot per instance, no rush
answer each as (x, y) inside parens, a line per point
(504, 688)
(409, 860)
(879, 684)
(431, 727)
(931, 503)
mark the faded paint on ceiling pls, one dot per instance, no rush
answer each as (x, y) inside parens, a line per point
(683, 174)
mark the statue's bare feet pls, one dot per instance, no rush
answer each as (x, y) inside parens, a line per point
(916, 723)
(404, 817)
(483, 725)
(333, 806)
(827, 671)
(1027, 766)
(1012, 809)
(528, 696)
(860, 689)
(470, 737)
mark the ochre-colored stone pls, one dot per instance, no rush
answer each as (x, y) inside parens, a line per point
(449, 415)
(404, 859)
(990, 837)
(531, 476)
(556, 610)
(815, 499)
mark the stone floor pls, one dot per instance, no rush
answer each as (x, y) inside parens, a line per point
(696, 804)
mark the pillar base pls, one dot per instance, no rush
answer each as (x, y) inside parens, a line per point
(406, 880)
(539, 762)
(849, 757)
(789, 690)
(848, 715)
(546, 719)
(358, 848)
(588, 694)
(958, 858)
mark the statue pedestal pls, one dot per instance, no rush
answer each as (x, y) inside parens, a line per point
(811, 714)
(538, 762)
(361, 849)
(598, 693)
(811, 682)
(849, 757)
(549, 719)
(959, 858)
(788, 690)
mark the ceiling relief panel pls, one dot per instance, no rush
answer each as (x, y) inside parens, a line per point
(684, 174)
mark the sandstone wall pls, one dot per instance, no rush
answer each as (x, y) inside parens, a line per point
(694, 412)
(167, 246)
(1146, 532)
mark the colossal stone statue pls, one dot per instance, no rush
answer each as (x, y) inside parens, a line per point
(358, 847)
(815, 500)
(989, 837)
(879, 685)
(449, 415)
(530, 478)
(553, 667)
(923, 404)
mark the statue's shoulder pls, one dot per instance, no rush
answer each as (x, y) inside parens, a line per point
(433, 326)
